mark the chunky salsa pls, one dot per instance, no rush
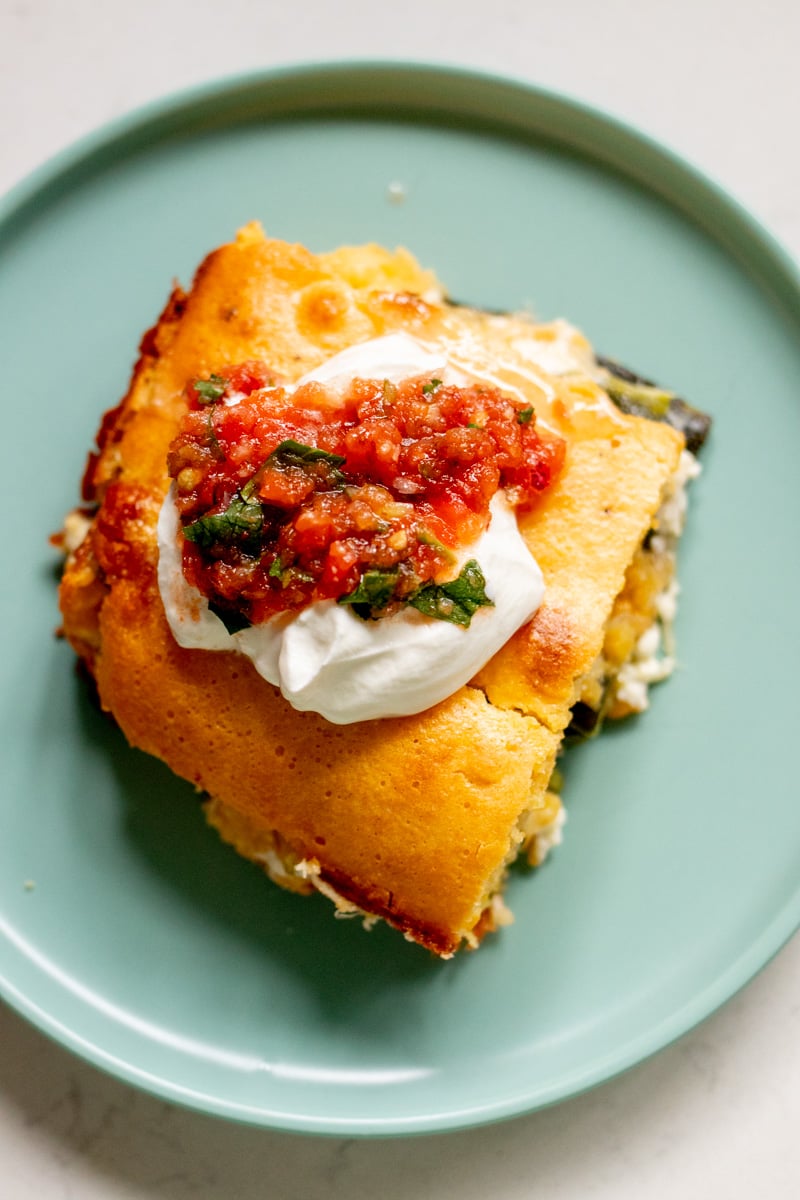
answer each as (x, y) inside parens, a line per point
(364, 495)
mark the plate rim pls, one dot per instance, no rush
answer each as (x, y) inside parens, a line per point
(80, 152)
(774, 269)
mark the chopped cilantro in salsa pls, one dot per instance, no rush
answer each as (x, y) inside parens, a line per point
(365, 496)
(456, 601)
(210, 390)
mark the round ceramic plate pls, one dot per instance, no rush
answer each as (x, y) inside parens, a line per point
(136, 938)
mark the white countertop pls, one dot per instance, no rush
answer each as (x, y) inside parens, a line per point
(715, 1115)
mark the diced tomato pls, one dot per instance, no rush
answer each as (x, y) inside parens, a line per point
(287, 498)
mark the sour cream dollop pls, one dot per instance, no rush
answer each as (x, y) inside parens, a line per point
(325, 659)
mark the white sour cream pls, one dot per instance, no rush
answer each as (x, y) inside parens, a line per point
(325, 659)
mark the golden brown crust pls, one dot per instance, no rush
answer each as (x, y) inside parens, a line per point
(410, 818)
(603, 503)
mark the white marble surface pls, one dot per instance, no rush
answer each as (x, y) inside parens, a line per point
(715, 1115)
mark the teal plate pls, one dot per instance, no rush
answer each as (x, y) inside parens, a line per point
(130, 933)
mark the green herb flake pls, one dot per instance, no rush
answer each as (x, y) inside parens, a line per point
(289, 453)
(428, 539)
(375, 590)
(241, 522)
(210, 390)
(525, 416)
(456, 601)
(289, 575)
(233, 620)
(431, 386)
